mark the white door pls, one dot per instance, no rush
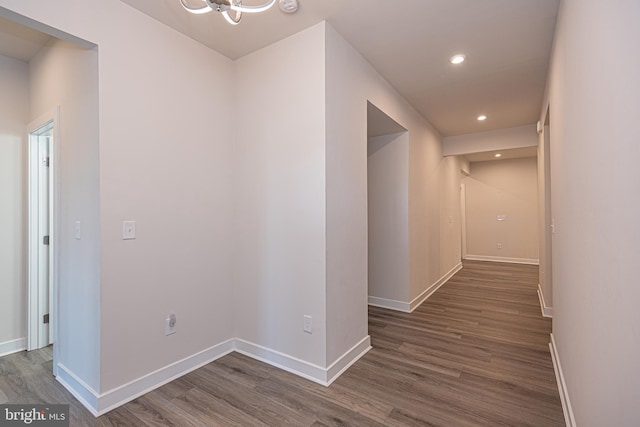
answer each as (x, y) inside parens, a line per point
(40, 228)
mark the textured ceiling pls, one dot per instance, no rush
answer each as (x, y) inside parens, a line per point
(507, 44)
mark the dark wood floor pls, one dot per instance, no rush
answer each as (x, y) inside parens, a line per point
(476, 353)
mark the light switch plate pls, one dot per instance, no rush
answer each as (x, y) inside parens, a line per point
(128, 230)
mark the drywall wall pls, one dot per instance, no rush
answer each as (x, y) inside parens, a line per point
(388, 216)
(65, 75)
(279, 179)
(502, 139)
(506, 188)
(14, 116)
(593, 94)
(350, 83)
(159, 167)
(451, 211)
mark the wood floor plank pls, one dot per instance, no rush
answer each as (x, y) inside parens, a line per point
(474, 354)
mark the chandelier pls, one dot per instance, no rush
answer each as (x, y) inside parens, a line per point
(224, 6)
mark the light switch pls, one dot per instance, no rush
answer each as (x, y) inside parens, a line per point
(77, 231)
(128, 230)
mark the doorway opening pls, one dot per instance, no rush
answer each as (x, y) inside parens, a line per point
(388, 211)
(41, 271)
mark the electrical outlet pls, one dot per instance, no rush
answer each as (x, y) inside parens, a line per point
(308, 324)
(499, 245)
(170, 325)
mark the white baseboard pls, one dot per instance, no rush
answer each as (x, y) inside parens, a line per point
(13, 346)
(408, 307)
(502, 259)
(101, 403)
(350, 357)
(283, 361)
(79, 389)
(546, 310)
(415, 303)
(310, 371)
(569, 418)
(390, 304)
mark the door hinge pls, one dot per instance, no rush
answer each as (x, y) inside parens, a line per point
(45, 162)
(45, 240)
(45, 318)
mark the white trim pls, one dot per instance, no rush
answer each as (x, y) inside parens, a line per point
(463, 219)
(33, 315)
(415, 303)
(79, 389)
(283, 361)
(546, 310)
(502, 259)
(408, 307)
(101, 403)
(310, 371)
(13, 346)
(390, 304)
(350, 357)
(569, 418)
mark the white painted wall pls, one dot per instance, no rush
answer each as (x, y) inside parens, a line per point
(65, 75)
(14, 116)
(162, 165)
(279, 180)
(350, 83)
(451, 211)
(388, 216)
(593, 94)
(268, 207)
(506, 187)
(502, 139)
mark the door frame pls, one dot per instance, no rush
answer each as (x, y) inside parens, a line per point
(33, 240)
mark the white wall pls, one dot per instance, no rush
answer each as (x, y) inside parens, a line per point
(502, 139)
(162, 164)
(14, 116)
(65, 75)
(279, 181)
(388, 216)
(243, 190)
(451, 211)
(593, 93)
(502, 187)
(351, 82)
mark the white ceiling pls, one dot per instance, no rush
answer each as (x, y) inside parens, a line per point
(507, 44)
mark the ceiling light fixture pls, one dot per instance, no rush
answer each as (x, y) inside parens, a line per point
(224, 6)
(482, 117)
(497, 155)
(457, 59)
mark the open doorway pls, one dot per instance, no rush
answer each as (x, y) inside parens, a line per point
(41, 232)
(388, 211)
(545, 219)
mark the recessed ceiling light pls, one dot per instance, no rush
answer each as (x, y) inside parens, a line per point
(497, 155)
(457, 59)
(482, 117)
